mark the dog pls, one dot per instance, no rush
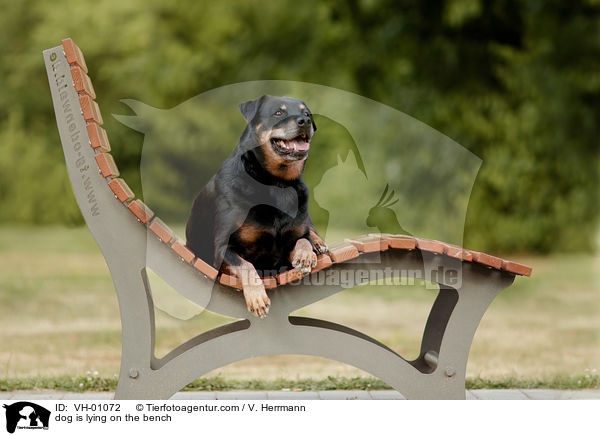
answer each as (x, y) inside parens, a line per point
(252, 217)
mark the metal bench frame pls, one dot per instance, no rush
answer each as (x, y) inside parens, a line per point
(129, 248)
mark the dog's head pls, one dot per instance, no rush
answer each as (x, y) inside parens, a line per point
(281, 126)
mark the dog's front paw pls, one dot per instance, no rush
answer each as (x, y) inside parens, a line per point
(319, 243)
(321, 246)
(257, 300)
(304, 259)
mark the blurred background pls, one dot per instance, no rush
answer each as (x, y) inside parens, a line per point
(515, 83)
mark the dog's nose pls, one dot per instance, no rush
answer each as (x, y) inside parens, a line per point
(302, 121)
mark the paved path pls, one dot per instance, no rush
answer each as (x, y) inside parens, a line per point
(479, 394)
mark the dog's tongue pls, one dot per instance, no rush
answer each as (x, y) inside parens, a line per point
(300, 145)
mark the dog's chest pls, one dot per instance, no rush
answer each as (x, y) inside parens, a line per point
(268, 235)
(285, 200)
(270, 223)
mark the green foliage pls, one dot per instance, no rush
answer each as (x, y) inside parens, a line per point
(514, 82)
(34, 188)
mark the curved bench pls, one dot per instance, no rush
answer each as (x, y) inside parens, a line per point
(133, 239)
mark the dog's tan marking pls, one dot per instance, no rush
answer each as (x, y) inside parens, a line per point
(264, 136)
(280, 167)
(249, 234)
(277, 133)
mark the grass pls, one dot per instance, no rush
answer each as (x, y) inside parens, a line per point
(101, 384)
(60, 326)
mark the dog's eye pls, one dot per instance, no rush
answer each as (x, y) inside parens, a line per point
(306, 114)
(278, 113)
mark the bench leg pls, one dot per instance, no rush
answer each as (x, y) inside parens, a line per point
(137, 322)
(451, 327)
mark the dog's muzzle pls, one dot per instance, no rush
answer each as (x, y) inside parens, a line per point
(294, 148)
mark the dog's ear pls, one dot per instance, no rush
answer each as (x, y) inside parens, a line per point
(313, 123)
(250, 108)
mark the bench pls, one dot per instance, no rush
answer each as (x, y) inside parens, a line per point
(133, 239)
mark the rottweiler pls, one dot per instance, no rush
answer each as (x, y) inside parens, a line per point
(251, 219)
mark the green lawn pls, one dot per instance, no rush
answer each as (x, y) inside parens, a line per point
(59, 323)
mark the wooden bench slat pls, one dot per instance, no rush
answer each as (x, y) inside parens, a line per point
(369, 244)
(486, 259)
(516, 268)
(269, 282)
(121, 190)
(430, 246)
(90, 110)
(161, 230)
(458, 253)
(141, 211)
(402, 242)
(289, 276)
(342, 252)
(182, 251)
(73, 54)
(231, 281)
(206, 269)
(107, 165)
(323, 262)
(98, 137)
(82, 82)
(234, 282)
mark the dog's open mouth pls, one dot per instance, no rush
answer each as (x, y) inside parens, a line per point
(292, 148)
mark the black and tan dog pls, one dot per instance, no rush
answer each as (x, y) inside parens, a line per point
(251, 219)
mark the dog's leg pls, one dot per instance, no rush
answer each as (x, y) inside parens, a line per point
(302, 257)
(256, 297)
(232, 263)
(318, 242)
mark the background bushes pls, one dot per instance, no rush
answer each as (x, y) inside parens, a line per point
(517, 83)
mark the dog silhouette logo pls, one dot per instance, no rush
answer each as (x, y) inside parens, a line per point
(26, 415)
